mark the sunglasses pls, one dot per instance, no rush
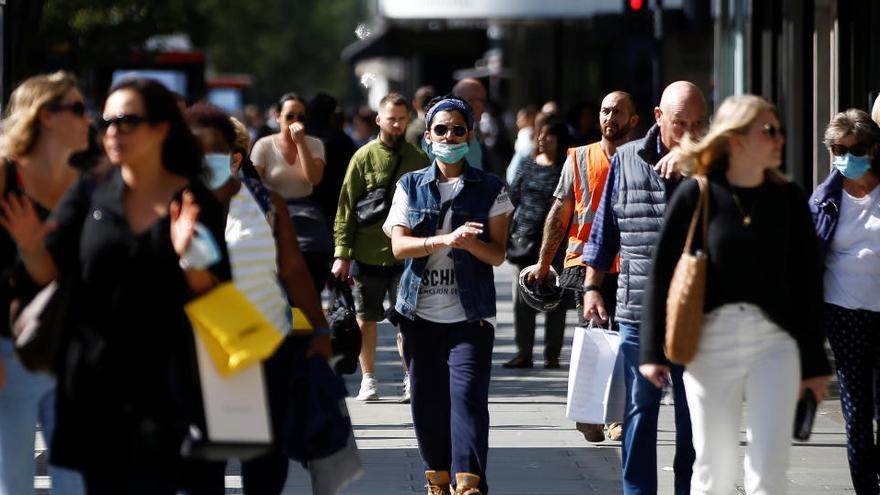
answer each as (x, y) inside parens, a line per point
(299, 117)
(860, 149)
(443, 129)
(772, 131)
(77, 108)
(125, 124)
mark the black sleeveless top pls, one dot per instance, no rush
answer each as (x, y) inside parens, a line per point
(14, 280)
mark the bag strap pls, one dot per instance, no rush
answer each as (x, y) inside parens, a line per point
(393, 172)
(702, 207)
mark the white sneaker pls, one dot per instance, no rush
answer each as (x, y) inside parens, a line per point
(369, 389)
(406, 397)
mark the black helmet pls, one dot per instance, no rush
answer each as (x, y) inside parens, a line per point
(541, 297)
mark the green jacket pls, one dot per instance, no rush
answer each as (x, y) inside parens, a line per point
(369, 169)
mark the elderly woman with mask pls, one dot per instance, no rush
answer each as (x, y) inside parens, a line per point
(846, 211)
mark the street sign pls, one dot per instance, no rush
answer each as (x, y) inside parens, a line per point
(496, 9)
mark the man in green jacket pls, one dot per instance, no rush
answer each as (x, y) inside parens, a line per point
(363, 252)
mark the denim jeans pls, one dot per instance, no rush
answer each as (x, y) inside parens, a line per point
(639, 445)
(27, 398)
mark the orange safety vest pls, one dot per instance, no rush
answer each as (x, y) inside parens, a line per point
(593, 174)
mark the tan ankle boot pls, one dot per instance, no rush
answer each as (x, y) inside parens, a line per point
(438, 482)
(467, 484)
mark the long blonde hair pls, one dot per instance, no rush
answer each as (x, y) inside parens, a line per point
(20, 127)
(734, 116)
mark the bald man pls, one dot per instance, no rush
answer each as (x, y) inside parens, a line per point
(472, 91)
(627, 224)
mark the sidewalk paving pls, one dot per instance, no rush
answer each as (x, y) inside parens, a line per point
(534, 449)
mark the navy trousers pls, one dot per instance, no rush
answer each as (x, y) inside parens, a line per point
(855, 340)
(449, 371)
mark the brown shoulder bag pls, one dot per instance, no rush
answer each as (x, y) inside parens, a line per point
(687, 290)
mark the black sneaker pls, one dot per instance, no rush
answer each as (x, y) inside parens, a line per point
(519, 362)
(551, 364)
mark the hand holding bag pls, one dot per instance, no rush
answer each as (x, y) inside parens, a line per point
(374, 206)
(687, 290)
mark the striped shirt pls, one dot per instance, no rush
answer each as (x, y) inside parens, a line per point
(253, 258)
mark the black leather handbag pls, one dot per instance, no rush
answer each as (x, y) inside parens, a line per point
(522, 249)
(39, 326)
(346, 336)
(374, 206)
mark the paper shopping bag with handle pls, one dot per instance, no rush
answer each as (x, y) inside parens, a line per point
(233, 331)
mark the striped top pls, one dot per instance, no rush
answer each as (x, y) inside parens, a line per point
(253, 257)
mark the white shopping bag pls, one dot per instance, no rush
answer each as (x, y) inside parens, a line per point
(593, 358)
(615, 395)
(237, 419)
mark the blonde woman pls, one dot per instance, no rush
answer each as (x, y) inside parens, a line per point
(761, 338)
(44, 125)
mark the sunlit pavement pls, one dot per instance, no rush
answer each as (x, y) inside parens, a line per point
(534, 449)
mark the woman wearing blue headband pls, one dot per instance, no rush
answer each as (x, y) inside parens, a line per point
(449, 222)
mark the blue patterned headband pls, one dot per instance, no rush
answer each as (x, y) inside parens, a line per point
(451, 104)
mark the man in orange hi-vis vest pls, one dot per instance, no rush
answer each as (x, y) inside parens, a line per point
(577, 199)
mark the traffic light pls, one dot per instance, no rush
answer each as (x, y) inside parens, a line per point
(636, 5)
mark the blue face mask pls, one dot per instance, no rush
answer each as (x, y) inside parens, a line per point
(220, 166)
(852, 167)
(449, 153)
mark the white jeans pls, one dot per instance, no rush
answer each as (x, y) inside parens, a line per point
(742, 354)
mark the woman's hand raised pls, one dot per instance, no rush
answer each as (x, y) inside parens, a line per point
(20, 219)
(183, 222)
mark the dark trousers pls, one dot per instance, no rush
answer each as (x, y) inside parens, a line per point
(266, 474)
(524, 317)
(639, 443)
(109, 482)
(318, 264)
(449, 371)
(855, 340)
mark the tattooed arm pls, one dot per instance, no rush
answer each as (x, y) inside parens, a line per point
(554, 234)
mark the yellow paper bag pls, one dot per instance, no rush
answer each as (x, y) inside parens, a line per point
(235, 333)
(299, 324)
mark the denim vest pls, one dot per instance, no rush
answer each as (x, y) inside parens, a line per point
(476, 280)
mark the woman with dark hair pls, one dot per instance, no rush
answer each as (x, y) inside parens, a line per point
(449, 222)
(269, 270)
(127, 393)
(292, 164)
(44, 125)
(532, 193)
(846, 211)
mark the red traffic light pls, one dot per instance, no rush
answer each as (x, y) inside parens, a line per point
(636, 5)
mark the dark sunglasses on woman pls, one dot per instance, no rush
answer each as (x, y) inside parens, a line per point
(299, 117)
(858, 149)
(125, 124)
(77, 108)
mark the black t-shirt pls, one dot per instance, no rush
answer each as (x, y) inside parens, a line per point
(128, 370)
(772, 263)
